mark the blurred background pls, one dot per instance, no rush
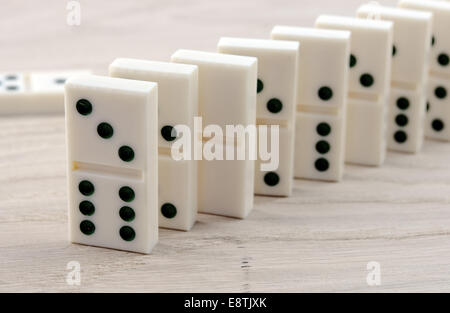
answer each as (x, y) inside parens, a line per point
(35, 35)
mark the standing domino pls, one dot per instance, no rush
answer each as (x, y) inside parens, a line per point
(369, 86)
(321, 97)
(34, 93)
(227, 96)
(277, 83)
(438, 107)
(412, 35)
(178, 105)
(112, 152)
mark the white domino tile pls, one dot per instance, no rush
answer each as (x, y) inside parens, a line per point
(111, 128)
(276, 102)
(369, 86)
(410, 64)
(321, 100)
(227, 96)
(437, 124)
(178, 105)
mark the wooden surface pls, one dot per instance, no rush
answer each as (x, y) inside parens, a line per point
(320, 239)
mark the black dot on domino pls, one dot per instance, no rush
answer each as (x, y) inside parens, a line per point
(274, 105)
(87, 208)
(11, 77)
(394, 50)
(127, 233)
(353, 61)
(12, 88)
(86, 188)
(443, 59)
(87, 227)
(84, 107)
(325, 93)
(127, 214)
(400, 136)
(105, 130)
(126, 194)
(440, 92)
(403, 103)
(322, 147)
(271, 179)
(168, 133)
(366, 80)
(437, 125)
(323, 129)
(126, 153)
(60, 81)
(168, 210)
(259, 86)
(322, 165)
(401, 120)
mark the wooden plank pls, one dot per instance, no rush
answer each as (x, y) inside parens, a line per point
(320, 239)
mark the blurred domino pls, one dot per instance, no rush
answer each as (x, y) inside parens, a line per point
(412, 36)
(321, 97)
(437, 125)
(178, 105)
(111, 128)
(33, 93)
(369, 86)
(277, 82)
(227, 96)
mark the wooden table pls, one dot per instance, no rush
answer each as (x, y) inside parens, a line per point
(320, 239)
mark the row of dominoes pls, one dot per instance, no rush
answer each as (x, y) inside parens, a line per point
(334, 90)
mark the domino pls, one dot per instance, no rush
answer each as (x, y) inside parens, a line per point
(437, 124)
(369, 86)
(321, 100)
(111, 128)
(276, 98)
(178, 105)
(409, 74)
(227, 96)
(34, 93)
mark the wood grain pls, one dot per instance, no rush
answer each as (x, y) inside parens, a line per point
(320, 239)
